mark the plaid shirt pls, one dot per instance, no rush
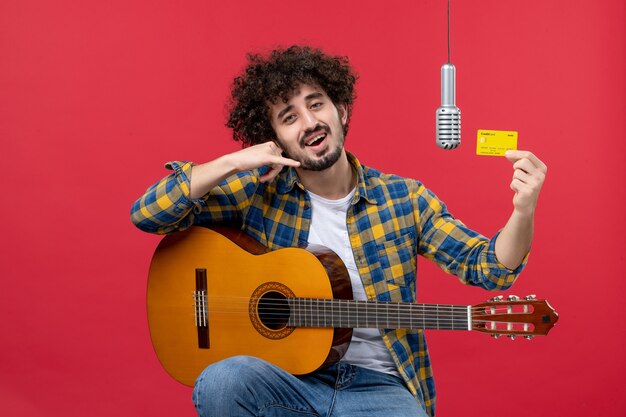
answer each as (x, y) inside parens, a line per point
(390, 221)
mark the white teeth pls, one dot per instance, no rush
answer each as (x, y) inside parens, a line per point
(318, 137)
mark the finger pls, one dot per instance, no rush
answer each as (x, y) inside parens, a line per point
(285, 161)
(534, 176)
(526, 165)
(278, 158)
(521, 188)
(516, 185)
(523, 183)
(273, 146)
(516, 155)
(522, 176)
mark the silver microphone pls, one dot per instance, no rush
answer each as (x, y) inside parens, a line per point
(448, 114)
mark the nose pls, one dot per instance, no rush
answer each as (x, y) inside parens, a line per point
(309, 119)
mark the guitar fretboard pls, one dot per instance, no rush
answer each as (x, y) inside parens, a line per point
(315, 312)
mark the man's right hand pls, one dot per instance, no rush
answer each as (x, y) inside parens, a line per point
(267, 153)
(206, 176)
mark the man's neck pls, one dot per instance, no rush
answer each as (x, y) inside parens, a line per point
(332, 183)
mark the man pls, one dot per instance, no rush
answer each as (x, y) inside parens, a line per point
(296, 184)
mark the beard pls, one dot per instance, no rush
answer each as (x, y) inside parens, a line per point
(323, 163)
(327, 160)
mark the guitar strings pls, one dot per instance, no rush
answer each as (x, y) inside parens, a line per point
(380, 308)
(458, 316)
(348, 322)
(304, 314)
(499, 304)
(352, 315)
(349, 316)
(282, 302)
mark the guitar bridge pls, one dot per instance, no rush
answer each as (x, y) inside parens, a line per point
(201, 307)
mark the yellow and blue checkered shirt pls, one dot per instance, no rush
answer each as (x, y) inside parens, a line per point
(390, 220)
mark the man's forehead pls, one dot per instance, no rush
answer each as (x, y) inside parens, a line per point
(296, 91)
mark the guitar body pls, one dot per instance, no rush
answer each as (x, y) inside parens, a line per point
(238, 271)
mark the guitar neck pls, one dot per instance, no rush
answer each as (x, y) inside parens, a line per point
(315, 312)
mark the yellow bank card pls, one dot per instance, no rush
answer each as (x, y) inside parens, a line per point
(495, 142)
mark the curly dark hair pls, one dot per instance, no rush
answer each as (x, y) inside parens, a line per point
(273, 77)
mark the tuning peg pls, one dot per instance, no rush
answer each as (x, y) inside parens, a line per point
(497, 298)
(531, 297)
(495, 335)
(513, 298)
(529, 337)
(512, 336)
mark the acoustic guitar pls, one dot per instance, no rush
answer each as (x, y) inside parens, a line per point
(217, 293)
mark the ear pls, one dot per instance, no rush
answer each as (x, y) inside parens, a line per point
(343, 113)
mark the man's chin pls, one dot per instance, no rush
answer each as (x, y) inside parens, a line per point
(321, 163)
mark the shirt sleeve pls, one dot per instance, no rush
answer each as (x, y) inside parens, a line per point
(166, 206)
(457, 249)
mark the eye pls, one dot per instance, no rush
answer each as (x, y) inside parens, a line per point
(317, 105)
(289, 118)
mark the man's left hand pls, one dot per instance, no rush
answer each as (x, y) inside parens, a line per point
(528, 177)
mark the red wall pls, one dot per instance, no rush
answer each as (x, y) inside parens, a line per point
(96, 95)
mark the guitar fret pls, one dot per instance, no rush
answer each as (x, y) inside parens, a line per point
(365, 314)
(387, 314)
(398, 307)
(373, 318)
(452, 316)
(340, 312)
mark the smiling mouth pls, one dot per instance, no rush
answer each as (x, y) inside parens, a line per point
(315, 139)
(315, 136)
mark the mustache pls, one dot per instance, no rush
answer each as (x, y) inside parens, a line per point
(314, 130)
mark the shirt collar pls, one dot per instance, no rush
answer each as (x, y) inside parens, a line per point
(288, 179)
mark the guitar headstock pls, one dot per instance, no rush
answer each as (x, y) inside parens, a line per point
(512, 317)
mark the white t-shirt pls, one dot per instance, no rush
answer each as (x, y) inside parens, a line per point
(328, 228)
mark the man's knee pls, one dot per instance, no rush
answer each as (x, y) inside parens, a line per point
(231, 374)
(230, 381)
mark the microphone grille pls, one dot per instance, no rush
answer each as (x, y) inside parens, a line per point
(448, 127)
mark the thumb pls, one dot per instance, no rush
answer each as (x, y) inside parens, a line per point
(513, 156)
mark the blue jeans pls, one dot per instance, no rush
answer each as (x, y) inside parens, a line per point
(247, 386)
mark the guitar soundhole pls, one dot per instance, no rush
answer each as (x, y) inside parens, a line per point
(269, 310)
(273, 310)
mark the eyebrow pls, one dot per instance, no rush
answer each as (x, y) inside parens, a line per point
(313, 95)
(283, 112)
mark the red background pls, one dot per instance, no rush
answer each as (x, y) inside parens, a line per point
(96, 95)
